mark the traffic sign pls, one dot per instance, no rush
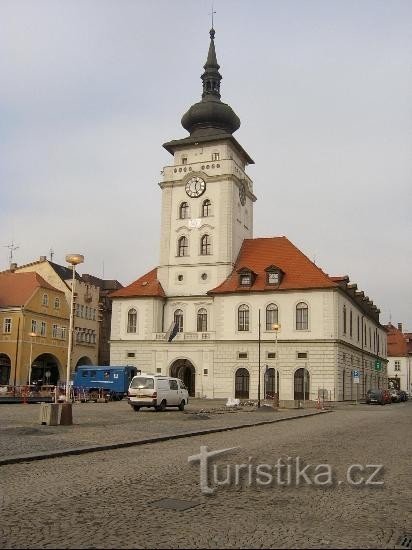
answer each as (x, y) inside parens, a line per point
(355, 374)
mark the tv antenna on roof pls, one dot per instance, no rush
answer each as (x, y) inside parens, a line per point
(12, 248)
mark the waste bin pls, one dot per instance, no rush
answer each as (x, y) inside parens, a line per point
(66, 416)
(49, 414)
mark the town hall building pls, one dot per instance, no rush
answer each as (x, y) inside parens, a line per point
(239, 305)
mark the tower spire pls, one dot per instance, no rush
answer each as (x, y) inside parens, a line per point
(211, 77)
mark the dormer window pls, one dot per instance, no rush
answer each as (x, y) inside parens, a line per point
(273, 275)
(246, 277)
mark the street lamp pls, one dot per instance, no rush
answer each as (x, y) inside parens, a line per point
(73, 260)
(32, 335)
(276, 328)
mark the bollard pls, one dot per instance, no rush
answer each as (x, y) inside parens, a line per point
(66, 416)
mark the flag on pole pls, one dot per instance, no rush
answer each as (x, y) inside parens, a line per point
(173, 330)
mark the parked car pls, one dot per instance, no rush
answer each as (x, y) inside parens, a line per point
(395, 396)
(375, 396)
(151, 390)
(387, 396)
(403, 395)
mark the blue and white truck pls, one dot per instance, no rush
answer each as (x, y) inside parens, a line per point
(108, 382)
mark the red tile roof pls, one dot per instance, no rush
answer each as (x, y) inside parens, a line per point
(397, 343)
(258, 254)
(148, 285)
(17, 288)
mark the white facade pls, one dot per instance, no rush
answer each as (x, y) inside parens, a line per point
(204, 225)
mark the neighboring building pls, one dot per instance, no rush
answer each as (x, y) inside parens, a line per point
(105, 286)
(86, 323)
(399, 358)
(214, 278)
(29, 305)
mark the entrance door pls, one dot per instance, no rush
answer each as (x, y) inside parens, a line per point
(183, 369)
(242, 384)
(302, 381)
(5, 367)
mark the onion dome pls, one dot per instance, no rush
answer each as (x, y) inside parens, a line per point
(210, 115)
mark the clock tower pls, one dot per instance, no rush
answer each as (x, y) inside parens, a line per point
(207, 197)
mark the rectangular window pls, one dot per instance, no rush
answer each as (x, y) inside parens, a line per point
(131, 354)
(243, 320)
(302, 355)
(205, 372)
(397, 366)
(358, 327)
(63, 333)
(301, 319)
(271, 355)
(184, 160)
(33, 325)
(45, 299)
(242, 355)
(344, 319)
(54, 331)
(42, 328)
(350, 323)
(159, 370)
(215, 156)
(245, 279)
(7, 326)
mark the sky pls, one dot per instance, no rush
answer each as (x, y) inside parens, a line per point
(91, 89)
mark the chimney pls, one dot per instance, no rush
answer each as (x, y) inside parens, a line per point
(13, 267)
(43, 258)
(400, 326)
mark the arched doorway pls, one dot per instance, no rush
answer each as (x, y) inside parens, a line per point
(242, 384)
(45, 368)
(271, 383)
(183, 369)
(5, 368)
(301, 384)
(83, 361)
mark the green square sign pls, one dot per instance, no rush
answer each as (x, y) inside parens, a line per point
(378, 365)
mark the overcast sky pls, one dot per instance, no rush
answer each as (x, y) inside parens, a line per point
(91, 89)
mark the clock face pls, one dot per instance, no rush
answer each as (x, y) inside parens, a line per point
(195, 187)
(242, 193)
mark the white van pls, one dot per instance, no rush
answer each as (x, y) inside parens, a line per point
(151, 390)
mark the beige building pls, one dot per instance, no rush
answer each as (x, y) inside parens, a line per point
(34, 321)
(86, 318)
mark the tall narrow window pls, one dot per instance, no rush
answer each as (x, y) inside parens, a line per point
(57, 303)
(45, 299)
(131, 320)
(7, 325)
(206, 208)
(205, 246)
(54, 331)
(344, 319)
(202, 320)
(350, 322)
(243, 318)
(184, 211)
(182, 246)
(302, 316)
(271, 316)
(215, 156)
(358, 326)
(42, 328)
(33, 325)
(178, 317)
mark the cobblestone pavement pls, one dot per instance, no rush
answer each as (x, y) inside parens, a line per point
(106, 499)
(115, 422)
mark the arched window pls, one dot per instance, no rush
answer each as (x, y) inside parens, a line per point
(184, 211)
(202, 320)
(178, 318)
(302, 316)
(182, 246)
(131, 320)
(271, 316)
(243, 318)
(205, 245)
(206, 208)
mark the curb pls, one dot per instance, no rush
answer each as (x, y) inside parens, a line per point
(112, 446)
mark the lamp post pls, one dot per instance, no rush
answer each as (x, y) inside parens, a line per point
(73, 260)
(32, 335)
(276, 328)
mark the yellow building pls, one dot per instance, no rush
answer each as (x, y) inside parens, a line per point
(34, 325)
